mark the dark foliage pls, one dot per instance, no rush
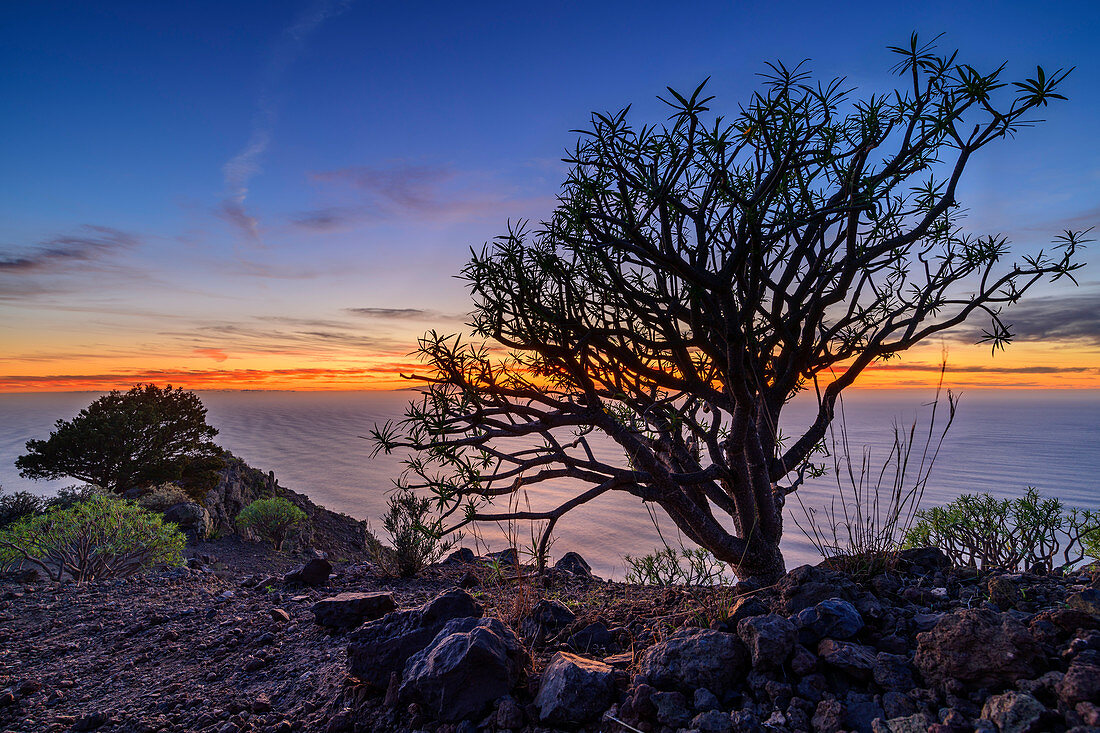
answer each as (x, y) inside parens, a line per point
(698, 274)
(145, 436)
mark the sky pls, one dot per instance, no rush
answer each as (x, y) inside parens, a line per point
(277, 195)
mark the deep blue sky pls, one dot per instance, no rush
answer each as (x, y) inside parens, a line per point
(188, 181)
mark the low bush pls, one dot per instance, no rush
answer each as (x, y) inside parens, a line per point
(669, 566)
(72, 495)
(270, 519)
(102, 537)
(980, 531)
(414, 534)
(161, 497)
(14, 507)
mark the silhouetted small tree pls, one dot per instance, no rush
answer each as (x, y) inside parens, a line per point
(147, 435)
(696, 275)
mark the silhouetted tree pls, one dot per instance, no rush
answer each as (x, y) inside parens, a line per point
(145, 436)
(696, 275)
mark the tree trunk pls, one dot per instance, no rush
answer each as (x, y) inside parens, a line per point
(763, 563)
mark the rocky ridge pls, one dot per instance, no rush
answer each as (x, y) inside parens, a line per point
(216, 648)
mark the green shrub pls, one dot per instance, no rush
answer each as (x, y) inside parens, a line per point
(270, 519)
(415, 535)
(72, 495)
(667, 566)
(980, 531)
(1090, 543)
(100, 538)
(161, 497)
(14, 507)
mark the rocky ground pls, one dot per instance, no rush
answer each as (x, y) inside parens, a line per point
(231, 644)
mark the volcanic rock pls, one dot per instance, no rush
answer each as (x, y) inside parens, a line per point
(979, 648)
(379, 648)
(693, 658)
(547, 618)
(314, 573)
(833, 618)
(574, 563)
(770, 639)
(1014, 712)
(574, 690)
(348, 610)
(469, 664)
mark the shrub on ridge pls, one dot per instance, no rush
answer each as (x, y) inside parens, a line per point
(102, 537)
(271, 519)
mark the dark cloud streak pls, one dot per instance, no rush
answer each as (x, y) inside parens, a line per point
(1070, 318)
(61, 253)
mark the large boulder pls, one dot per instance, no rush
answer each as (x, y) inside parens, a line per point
(314, 573)
(470, 663)
(833, 618)
(770, 639)
(806, 586)
(574, 690)
(380, 648)
(192, 519)
(979, 648)
(348, 610)
(694, 658)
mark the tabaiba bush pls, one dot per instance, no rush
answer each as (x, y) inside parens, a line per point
(415, 534)
(271, 519)
(981, 531)
(102, 537)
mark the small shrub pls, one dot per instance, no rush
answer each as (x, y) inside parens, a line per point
(72, 495)
(14, 507)
(161, 497)
(1090, 543)
(100, 538)
(414, 534)
(980, 531)
(270, 519)
(668, 566)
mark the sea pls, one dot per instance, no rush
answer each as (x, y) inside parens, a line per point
(1001, 442)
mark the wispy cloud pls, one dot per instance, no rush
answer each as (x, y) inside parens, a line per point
(402, 190)
(62, 263)
(411, 314)
(93, 243)
(242, 167)
(274, 335)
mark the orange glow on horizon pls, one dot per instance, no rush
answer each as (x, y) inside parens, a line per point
(1023, 366)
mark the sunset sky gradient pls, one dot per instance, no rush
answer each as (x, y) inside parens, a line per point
(277, 195)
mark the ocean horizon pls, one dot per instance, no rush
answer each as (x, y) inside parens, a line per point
(1002, 442)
